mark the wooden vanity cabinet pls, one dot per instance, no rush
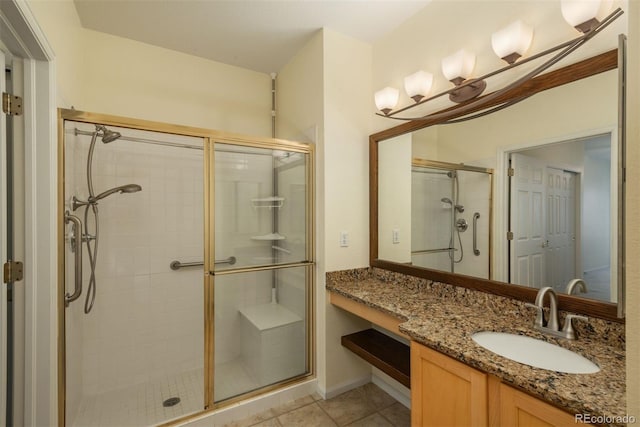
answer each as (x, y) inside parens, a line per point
(519, 409)
(446, 392)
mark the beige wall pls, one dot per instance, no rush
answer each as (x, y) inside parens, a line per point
(394, 173)
(326, 86)
(101, 73)
(61, 26)
(300, 93)
(633, 207)
(585, 107)
(347, 79)
(347, 92)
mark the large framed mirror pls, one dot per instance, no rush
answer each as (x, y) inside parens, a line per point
(522, 198)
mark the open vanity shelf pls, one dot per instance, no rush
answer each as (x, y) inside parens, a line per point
(390, 356)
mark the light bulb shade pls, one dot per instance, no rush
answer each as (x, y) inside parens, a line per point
(459, 66)
(418, 85)
(386, 99)
(513, 41)
(584, 14)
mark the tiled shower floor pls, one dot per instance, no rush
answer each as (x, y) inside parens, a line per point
(141, 405)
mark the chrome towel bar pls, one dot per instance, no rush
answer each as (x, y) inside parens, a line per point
(476, 251)
(432, 251)
(177, 265)
(76, 247)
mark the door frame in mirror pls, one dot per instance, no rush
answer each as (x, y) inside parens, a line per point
(595, 65)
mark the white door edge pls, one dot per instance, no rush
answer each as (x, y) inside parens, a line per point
(27, 41)
(3, 253)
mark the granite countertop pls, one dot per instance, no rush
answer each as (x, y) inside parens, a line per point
(445, 321)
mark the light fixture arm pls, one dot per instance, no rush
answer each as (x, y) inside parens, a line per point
(569, 47)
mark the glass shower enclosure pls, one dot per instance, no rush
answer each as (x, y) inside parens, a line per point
(451, 217)
(187, 269)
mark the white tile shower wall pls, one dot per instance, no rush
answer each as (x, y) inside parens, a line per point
(147, 320)
(240, 178)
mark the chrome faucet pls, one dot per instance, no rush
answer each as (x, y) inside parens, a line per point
(551, 325)
(582, 286)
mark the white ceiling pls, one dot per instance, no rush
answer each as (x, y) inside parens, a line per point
(261, 35)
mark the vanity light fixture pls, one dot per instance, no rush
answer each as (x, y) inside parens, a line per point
(418, 85)
(457, 68)
(387, 99)
(510, 44)
(585, 15)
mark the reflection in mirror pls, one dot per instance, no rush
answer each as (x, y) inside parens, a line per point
(560, 216)
(563, 229)
(451, 217)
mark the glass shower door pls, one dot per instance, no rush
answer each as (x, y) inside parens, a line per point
(431, 217)
(134, 347)
(262, 269)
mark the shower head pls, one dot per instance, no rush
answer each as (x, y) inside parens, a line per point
(128, 188)
(108, 135)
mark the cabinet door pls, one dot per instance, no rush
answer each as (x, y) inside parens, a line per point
(520, 409)
(445, 392)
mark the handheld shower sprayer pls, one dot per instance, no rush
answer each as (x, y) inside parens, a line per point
(448, 201)
(91, 205)
(128, 188)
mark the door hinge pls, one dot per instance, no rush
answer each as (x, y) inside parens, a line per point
(13, 271)
(509, 235)
(11, 104)
(511, 172)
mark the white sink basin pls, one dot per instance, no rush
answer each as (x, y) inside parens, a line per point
(534, 352)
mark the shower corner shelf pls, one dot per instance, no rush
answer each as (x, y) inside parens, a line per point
(268, 202)
(271, 236)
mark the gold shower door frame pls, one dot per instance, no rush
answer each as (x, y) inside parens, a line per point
(210, 137)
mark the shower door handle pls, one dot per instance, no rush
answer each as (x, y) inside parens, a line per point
(76, 246)
(476, 251)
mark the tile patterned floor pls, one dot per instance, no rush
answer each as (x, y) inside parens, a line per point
(366, 406)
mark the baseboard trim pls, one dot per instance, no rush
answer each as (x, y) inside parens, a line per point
(392, 387)
(344, 387)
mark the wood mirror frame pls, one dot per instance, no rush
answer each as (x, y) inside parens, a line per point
(580, 70)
